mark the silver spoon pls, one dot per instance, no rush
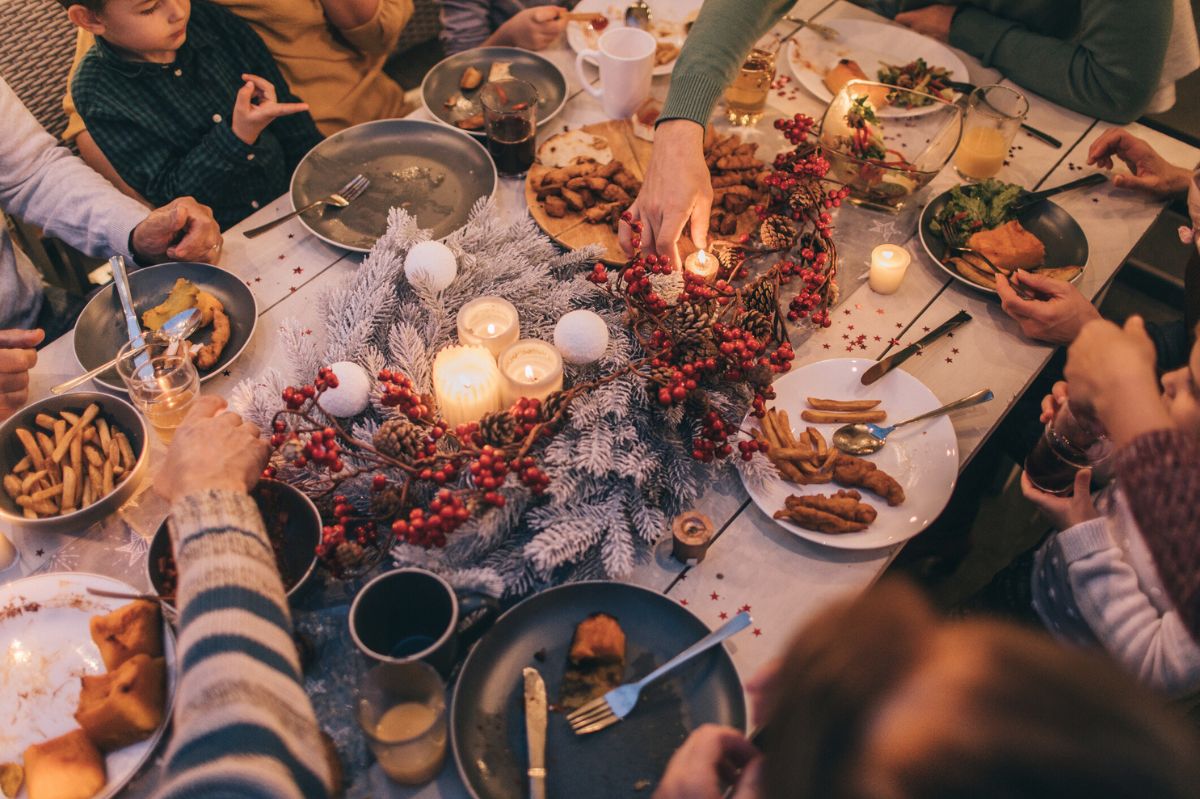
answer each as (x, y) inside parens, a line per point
(638, 15)
(863, 439)
(177, 328)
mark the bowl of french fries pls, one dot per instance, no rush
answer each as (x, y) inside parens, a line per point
(68, 461)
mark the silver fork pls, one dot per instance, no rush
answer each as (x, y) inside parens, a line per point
(617, 703)
(824, 31)
(954, 244)
(339, 199)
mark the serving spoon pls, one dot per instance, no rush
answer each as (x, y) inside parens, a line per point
(177, 328)
(863, 439)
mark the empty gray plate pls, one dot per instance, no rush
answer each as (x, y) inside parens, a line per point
(441, 83)
(430, 170)
(100, 331)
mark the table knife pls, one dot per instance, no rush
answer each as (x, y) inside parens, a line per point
(889, 363)
(535, 732)
(132, 326)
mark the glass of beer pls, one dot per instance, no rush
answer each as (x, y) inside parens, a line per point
(1069, 443)
(746, 97)
(401, 708)
(994, 115)
(510, 119)
(162, 382)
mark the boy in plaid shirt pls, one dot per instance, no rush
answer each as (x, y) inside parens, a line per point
(179, 96)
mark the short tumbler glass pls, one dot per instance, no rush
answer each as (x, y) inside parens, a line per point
(401, 708)
(162, 382)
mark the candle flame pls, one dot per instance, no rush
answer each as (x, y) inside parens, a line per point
(701, 257)
(529, 374)
(491, 329)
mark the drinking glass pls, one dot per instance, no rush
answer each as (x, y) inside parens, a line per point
(994, 115)
(746, 97)
(401, 708)
(1069, 443)
(510, 118)
(162, 382)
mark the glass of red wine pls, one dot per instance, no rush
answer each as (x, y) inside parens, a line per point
(1069, 443)
(510, 119)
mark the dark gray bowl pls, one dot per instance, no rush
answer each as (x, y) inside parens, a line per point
(100, 331)
(297, 557)
(404, 159)
(441, 82)
(116, 411)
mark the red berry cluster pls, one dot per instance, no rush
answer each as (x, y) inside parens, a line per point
(345, 529)
(489, 470)
(322, 449)
(295, 396)
(398, 392)
(684, 380)
(527, 411)
(749, 446)
(713, 441)
(447, 512)
(531, 476)
(796, 129)
(441, 474)
(741, 350)
(598, 275)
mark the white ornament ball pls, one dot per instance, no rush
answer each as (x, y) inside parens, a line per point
(432, 264)
(581, 337)
(353, 391)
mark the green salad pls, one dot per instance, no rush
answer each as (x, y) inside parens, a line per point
(919, 77)
(978, 206)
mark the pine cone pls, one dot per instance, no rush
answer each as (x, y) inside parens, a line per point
(730, 257)
(777, 233)
(386, 503)
(498, 429)
(692, 322)
(348, 556)
(552, 404)
(762, 298)
(758, 325)
(804, 197)
(400, 439)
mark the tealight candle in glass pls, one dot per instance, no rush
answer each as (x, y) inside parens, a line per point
(889, 262)
(489, 322)
(466, 384)
(702, 265)
(530, 368)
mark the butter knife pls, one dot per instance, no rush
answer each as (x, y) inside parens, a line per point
(889, 363)
(535, 732)
(132, 326)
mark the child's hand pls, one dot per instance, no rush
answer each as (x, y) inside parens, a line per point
(1065, 512)
(534, 28)
(256, 107)
(1053, 401)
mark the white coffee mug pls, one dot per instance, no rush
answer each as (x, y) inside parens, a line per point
(626, 60)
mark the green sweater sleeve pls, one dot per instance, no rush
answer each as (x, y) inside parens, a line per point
(1110, 68)
(717, 45)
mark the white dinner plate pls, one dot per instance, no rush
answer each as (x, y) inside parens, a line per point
(868, 43)
(45, 647)
(668, 19)
(922, 457)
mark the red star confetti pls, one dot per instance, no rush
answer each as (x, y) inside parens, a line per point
(293, 289)
(281, 257)
(757, 632)
(949, 360)
(850, 348)
(899, 326)
(683, 601)
(723, 615)
(879, 311)
(299, 270)
(258, 280)
(893, 342)
(714, 596)
(291, 235)
(40, 552)
(826, 345)
(949, 335)
(226, 373)
(954, 350)
(744, 609)
(849, 327)
(926, 329)
(879, 338)
(846, 336)
(846, 311)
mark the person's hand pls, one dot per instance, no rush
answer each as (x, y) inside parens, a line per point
(213, 449)
(256, 107)
(1056, 316)
(1054, 401)
(1152, 173)
(17, 357)
(761, 690)
(678, 188)
(1111, 373)
(182, 230)
(711, 758)
(1064, 512)
(933, 21)
(533, 28)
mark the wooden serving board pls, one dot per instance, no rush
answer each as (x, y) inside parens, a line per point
(573, 232)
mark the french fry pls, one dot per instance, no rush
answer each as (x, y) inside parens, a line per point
(90, 435)
(44, 421)
(771, 431)
(72, 418)
(785, 428)
(32, 480)
(32, 450)
(29, 513)
(76, 456)
(42, 507)
(818, 404)
(22, 465)
(12, 485)
(106, 485)
(88, 494)
(47, 493)
(68, 488)
(93, 455)
(47, 445)
(820, 447)
(89, 414)
(96, 477)
(126, 450)
(105, 436)
(836, 417)
(60, 430)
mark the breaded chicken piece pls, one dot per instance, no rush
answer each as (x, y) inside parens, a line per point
(598, 639)
(840, 513)
(855, 472)
(1010, 246)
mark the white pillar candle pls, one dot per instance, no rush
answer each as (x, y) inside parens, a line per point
(489, 322)
(889, 262)
(466, 384)
(530, 368)
(702, 265)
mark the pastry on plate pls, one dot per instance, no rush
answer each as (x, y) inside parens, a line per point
(133, 629)
(125, 705)
(1010, 246)
(595, 662)
(67, 767)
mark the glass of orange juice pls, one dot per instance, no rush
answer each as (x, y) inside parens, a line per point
(994, 114)
(402, 710)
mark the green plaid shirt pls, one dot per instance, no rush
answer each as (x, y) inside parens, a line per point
(166, 127)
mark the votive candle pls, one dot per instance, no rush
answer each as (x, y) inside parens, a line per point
(702, 265)
(489, 322)
(466, 383)
(889, 262)
(530, 368)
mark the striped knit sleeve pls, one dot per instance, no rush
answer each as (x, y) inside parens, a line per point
(243, 725)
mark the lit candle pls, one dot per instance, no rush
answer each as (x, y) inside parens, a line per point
(489, 322)
(466, 384)
(888, 265)
(530, 368)
(702, 265)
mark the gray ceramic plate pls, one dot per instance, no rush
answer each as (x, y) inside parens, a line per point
(1066, 244)
(100, 331)
(441, 83)
(487, 716)
(426, 168)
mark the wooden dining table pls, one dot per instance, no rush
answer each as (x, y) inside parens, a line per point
(754, 564)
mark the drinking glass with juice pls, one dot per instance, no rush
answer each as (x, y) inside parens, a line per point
(401, 708)
(510, 117)
(994, 115)
(746, 97)
(162, 382)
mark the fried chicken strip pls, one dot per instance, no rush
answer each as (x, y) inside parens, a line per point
(855, 472)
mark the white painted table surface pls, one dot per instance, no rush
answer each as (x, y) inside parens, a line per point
(753, 564)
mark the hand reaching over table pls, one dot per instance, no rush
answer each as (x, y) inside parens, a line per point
(677, 189)
(1151, 173)
(17, 357)
(181, 230)
(711, 758)
(1055, 315)
(933, 21)
(532, 28)
(212, 451)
